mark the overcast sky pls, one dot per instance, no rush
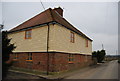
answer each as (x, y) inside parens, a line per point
(98, 20)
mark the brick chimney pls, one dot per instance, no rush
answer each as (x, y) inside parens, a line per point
(59, 10)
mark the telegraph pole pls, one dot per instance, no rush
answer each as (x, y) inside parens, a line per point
(102, 47)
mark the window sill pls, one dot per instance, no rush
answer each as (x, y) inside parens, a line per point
(29, 60)
(27, 38)
(70, 62)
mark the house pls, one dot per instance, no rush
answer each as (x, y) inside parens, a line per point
(49, 43)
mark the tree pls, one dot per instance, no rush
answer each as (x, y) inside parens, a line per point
(7, 49)
(100, 55)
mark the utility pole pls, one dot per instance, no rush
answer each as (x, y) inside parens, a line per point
(102, 47)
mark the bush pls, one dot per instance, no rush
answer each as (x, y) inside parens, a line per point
(100, 55)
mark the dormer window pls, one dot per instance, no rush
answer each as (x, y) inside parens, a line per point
(28, 34)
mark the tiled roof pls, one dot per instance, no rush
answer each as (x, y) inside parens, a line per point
(48, 15)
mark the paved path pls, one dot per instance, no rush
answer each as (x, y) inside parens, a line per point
(104, 71)
(16, 75)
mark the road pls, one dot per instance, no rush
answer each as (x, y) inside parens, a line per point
(104, 71)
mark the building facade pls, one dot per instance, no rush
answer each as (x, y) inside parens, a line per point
(48, 42)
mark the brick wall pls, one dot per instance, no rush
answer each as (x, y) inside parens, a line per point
(39, 61)
(61, 62)
(57, 61)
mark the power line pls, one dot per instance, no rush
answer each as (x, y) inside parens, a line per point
(42, 4)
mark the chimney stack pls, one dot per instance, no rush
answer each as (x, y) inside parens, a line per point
(59, 10)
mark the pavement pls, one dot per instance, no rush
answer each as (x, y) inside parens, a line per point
(108, 70)
(20, 75)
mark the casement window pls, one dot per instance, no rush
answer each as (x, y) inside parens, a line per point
(72, 37)
(15, 56)
(86, 43)
(29, 57)
(70, 58)
(28, 34)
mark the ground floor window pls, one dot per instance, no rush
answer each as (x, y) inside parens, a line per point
(29, 57)
(15, 56)
(70, 58)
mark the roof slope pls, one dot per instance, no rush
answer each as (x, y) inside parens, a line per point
(48, 15)
(36, 20)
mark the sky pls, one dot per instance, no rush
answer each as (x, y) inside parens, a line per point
(98, 20)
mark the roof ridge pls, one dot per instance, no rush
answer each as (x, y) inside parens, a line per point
(58, 13)
(51, 14)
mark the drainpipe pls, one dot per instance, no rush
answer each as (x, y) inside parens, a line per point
(48, 49)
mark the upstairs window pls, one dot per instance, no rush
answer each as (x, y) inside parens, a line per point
(29, 57)
(86, 43)
(72, 37)
(28, 34)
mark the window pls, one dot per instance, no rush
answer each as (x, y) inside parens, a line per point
(15, 56)
(28, 34)
(70, 58)
(29, 57)
(86, 43)
(72, 37)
